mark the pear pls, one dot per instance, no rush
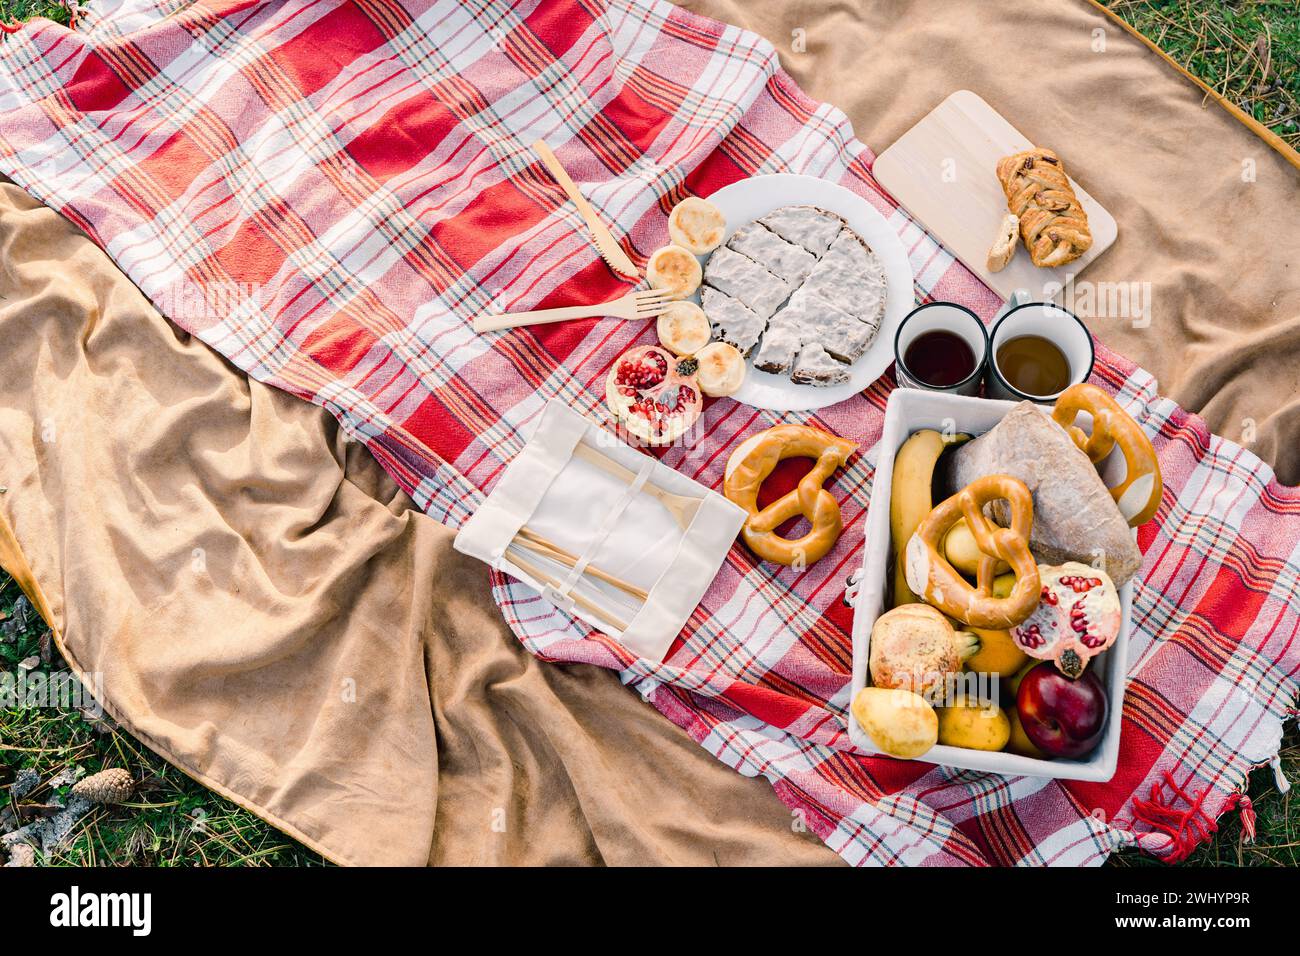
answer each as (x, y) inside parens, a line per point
(899, 722)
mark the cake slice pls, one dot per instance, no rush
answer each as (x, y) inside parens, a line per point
(838, 332)
(783, 259)
(815, 366)
(814, 229)
(742, 278)
(850, 277)
(731, 320)
(781, 344)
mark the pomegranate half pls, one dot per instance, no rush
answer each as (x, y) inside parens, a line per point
(654, 394)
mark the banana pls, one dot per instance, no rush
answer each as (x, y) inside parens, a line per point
(910, 499)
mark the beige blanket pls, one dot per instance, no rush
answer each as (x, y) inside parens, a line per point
(259, 604)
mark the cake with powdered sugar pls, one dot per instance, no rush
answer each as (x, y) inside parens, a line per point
(800, 287)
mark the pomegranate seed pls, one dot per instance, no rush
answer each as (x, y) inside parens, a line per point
(1080, 585)
(1031, 636)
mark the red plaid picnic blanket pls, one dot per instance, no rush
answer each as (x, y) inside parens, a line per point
(326, 191)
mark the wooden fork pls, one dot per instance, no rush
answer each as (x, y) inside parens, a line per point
(645, 304)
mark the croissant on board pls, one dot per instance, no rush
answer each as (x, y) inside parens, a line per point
(1053, 225)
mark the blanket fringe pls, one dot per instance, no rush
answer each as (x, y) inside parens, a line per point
(1279, 778)
(1188, 828)
(74, 9)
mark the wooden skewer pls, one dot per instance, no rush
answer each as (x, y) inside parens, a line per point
(535, 541)
(590, 607)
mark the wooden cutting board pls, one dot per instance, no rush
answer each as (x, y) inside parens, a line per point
(942, 171)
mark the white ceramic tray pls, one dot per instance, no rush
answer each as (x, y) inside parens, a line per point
(746, 200)
(908, 411)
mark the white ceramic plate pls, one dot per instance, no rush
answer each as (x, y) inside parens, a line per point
(747, 200)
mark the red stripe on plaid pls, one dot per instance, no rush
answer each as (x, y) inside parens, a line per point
(345, 32)
(95, 86)
(339, 345)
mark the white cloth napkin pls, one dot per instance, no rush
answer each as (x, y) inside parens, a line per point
(613, 524)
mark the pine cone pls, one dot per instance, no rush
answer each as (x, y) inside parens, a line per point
(107, 786)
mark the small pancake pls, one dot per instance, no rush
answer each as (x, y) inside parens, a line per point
(697, 225)
(675, 270)
(721, 371)
(683, 328)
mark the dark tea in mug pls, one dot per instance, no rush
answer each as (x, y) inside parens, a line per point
(939, 358)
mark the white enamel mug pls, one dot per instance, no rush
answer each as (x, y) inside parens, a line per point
(942, 317)
(1059, 326)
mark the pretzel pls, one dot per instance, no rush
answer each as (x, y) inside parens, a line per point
(1138, 495)
(1052, 223)
(753, 461)
(931, 577)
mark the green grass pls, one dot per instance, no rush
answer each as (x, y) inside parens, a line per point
(1277, 823)
(1248, 51)
(11, 10)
